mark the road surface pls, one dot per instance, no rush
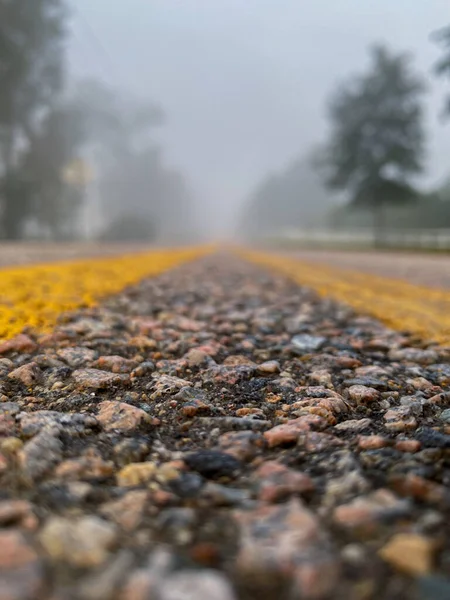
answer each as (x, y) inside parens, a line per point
(219, 431)
(431, 269)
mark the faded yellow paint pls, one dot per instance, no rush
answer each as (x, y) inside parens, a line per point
(399, 304)
(35, 296)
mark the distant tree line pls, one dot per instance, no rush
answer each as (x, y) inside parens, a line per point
(50, 130)
(373, 156)
(277, 201)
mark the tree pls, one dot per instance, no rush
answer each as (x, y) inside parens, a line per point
(54, 201)
(442, 67)
(116, 125)
(377, 140)
(294, 197)
(134, 181)
(31, 76)
(129, 228)
(139, 184)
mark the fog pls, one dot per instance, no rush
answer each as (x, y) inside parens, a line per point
(170, 121)
(244, 83)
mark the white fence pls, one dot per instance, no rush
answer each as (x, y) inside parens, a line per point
(428, 239)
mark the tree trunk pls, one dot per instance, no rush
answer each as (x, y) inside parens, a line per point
(11, 221)
(15, 205)
(379, 224)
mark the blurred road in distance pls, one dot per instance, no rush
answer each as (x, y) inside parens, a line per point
(22, 253)
(428, 269)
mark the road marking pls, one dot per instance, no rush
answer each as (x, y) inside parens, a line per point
(399, 304)
(35, 296)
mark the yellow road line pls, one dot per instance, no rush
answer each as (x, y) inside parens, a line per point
(34, 296)
(401, 305)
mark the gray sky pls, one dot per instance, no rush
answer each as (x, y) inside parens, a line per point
(244, 82)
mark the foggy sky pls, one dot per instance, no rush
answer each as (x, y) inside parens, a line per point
(245, 82)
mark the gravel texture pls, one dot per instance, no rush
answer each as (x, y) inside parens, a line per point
(219, 432)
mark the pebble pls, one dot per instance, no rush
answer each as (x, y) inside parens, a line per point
(354, 554)
(76, 356)
(415, 355)
(115, 364)
(277, 482)
(103, 584)
(287, 540)
(90, 465)
(407, 445)
(29, 374)
(362, 394)
(315, 441)
(130, 450)
(271, 367)
(321, 377)
(42, 453)
(196, 357)
(21, 343)
(187, 485)
(304, 343)
(438, 399)
(354, 425)
(136, 474)
(96, 379)
(415, 486)
(22, 575)
(243, 445)
(410, 553)
(167, 384)
(17, 512)
(141, 585)
(178, 524)
(420, 383)
(196, 585)
(369, 511)
(370, 382)
(429, 438)
(127, 512)
(83, 542)
(144, 368)
(372, 442)
(194, 407)
(221, 495)
(347, 483)
(6, 365)
(212, 463)
(32, 423)
(120, 416)
(288, 433)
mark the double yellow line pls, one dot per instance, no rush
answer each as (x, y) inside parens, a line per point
(400, 305)
(34, 296)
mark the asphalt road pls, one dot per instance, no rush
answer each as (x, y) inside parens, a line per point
(431, 270)
(27, 253)
(221, 432)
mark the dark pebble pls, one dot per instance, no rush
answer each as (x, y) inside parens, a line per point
(187, 485)
(433, 439)
(212, 464)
